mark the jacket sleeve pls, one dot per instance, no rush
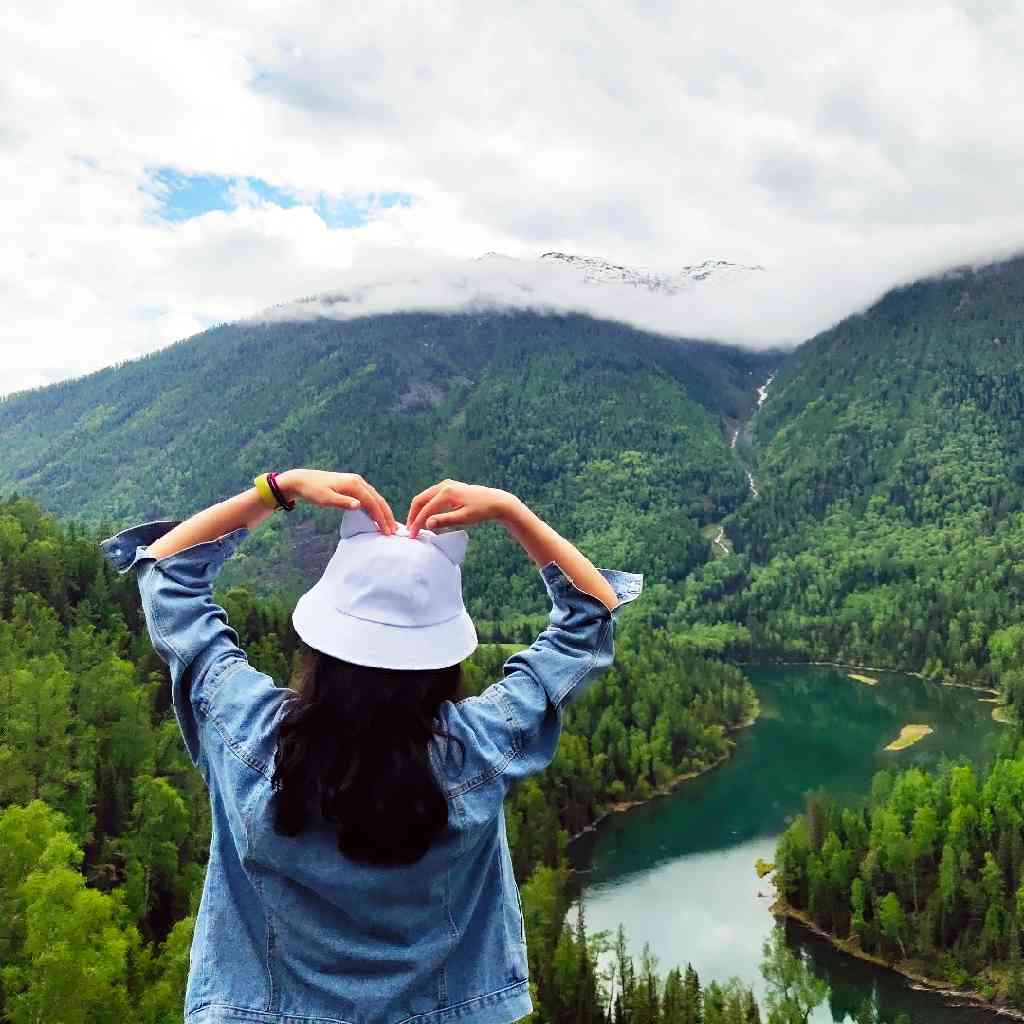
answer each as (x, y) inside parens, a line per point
(225, 708)
(512, 728)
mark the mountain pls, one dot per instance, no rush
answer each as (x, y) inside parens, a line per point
(883, 525)
(618, 436)
(890, 464)
(919, 402)
(595, 270)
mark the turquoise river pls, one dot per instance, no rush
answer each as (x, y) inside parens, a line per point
(678, 872)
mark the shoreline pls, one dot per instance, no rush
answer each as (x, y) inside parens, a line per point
(780, 909)
(623, 806)
(871, 668)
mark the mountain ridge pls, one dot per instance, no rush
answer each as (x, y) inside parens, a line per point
(887, 454)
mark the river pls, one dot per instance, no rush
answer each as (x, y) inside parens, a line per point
(679, 872)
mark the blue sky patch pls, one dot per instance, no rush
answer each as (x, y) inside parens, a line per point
(350, 212)
(184, 196)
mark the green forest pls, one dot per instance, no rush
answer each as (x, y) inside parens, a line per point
(889, 530)
(928, 871)
(544, 406)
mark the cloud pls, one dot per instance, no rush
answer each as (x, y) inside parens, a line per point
(751, 307)
(386, 281)
(844, 146)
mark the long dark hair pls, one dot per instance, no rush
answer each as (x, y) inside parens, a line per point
(352, 746)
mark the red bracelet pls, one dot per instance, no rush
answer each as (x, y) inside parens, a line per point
(279, 494)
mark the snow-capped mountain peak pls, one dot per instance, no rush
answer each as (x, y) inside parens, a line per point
(595, 270)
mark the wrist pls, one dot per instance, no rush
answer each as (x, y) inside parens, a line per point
(513, 513)
(288, 482)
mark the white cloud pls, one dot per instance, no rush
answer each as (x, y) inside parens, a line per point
(845, 146)
(749, 306)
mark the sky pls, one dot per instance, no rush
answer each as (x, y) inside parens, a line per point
(167, 167)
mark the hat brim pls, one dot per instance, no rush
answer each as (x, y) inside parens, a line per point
(380, 645)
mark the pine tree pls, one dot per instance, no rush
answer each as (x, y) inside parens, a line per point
(588, 1009)
(693, 1002)
(626, 978)
(646, 1000)
(673, 998)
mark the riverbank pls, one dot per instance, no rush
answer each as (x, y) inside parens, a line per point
(963, 997)
(673, 783)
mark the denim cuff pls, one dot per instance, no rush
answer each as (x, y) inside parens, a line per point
(126, 548)
(627, 586)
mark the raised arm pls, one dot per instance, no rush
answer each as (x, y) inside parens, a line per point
(330, 490)
(511, 729)
(451, 503)
(224, 706)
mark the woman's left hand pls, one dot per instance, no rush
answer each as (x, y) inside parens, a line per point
(337, 490)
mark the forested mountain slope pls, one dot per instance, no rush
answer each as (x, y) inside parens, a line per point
(919, 401)
(614, 434)
(890, 527)
(889, 457)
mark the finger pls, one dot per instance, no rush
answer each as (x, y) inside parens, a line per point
(383, 513)
(420, 500)
(389, 515)
(457, 517)
(360, 493)
(374, 504)
(333, 496)
(440, 502)
(345, 501)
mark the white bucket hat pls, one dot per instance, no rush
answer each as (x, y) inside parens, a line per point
(389, 600)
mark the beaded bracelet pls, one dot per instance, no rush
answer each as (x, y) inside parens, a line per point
(279, 494)
(270, 492)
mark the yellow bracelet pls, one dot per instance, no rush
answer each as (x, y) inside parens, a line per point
(264, 491)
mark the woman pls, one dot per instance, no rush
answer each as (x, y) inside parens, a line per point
(359, 869)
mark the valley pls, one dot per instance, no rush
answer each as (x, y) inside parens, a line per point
(858, 500)
(720, 543)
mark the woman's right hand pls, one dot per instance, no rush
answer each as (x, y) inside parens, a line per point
(452, 503)
(338, 490)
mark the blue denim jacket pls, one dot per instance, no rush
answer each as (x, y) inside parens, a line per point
(291, 932)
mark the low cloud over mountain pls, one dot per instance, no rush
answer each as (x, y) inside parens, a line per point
(747, 305)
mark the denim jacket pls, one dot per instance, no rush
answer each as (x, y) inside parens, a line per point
(289, 931)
